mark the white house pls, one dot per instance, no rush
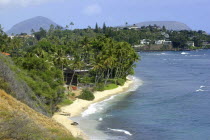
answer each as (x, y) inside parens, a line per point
(134, 27)
(145, 41)
(159, 42)
(190, 43)
(11, 36)
(164, 42)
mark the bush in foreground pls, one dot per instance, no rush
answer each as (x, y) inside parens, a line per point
(87, 95)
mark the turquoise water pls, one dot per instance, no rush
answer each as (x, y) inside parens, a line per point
(172, 104)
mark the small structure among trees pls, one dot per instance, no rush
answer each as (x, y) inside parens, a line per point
(71, 76)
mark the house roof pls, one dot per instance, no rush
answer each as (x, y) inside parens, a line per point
(5, 53)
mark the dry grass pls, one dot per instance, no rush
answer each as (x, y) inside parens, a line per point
(11, 109)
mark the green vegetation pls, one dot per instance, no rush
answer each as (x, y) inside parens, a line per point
(34, 74)
(110, 86)
(152, 33)
(120, 81)
(87, 95)
(39, 62)
(106, 53)
(66, 102)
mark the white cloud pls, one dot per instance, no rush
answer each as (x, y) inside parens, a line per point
(93, 9)
(22, 3)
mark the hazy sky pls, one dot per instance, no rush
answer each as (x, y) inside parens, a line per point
(194, 13)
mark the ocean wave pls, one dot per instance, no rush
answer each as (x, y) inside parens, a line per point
(96, 107)
(195, 55)
(158, 54)
(200, 90)
(202, 86)
(121, 130)
(91, 109)
(137, 83)
(184, 53)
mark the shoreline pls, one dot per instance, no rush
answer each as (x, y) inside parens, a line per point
(79, 106)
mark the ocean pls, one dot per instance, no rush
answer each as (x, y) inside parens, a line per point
(173, 103)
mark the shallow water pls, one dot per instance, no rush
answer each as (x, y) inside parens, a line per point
(172, 104)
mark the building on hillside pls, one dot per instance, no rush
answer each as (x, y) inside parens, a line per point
(163, 42)
(12, 36)
(167, 43)
(72, 75)
(134, 27)
(26, 36)
(145, 42)
(136, 46)
(22, 36)
(158, 42)
(191, 43)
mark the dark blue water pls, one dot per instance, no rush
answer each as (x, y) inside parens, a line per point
(172, 104)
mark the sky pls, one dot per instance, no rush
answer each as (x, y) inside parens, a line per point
(84, 13)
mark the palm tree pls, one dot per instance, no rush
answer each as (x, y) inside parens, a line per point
(77, 64)
(126, 24)
(60, 60)
(71, 24)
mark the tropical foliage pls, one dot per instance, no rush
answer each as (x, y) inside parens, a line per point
(41, 60)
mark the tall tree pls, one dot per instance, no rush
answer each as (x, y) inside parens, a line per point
(71, 24)
(126, 24)
(96, 28)
(104, 28)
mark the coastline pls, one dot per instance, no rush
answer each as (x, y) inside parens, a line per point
(79, 106)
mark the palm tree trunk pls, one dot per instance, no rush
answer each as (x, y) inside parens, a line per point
(107, 77)
(63, 75)
(72, 77)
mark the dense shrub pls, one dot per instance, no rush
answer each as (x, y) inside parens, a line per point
(15, 85)
(112, 81)
(87, 95)
(99, 87)
(41, 90)
(4, 85)
(66, 102)
(120, 81)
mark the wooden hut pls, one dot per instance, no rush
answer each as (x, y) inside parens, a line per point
(68, 74)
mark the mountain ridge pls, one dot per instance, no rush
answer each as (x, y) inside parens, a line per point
(34, 23)
(170, 25)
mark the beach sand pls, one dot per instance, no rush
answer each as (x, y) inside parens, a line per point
(79, 105)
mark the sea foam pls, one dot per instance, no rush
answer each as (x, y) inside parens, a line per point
(121, 130)
(98, 107)
(184, 53)
(137, 83)
(199, 90)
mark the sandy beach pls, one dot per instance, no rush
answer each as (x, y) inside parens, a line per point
(80, 105)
